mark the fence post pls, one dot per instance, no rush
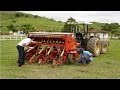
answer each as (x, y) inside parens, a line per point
(16, 37)
(21, 37)
(10, 36)
(2, 37)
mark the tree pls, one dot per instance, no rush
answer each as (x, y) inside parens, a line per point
(27, 28)
(69, 25)
(106, 27)
(117, 32)
(36, 16)
(71, 20)
(112, 28)
(12, 26)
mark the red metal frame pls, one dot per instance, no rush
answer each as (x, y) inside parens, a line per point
(57, 48)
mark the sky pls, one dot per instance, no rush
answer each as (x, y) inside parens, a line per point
(80, 16)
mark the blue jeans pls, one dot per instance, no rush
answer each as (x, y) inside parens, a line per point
(21, 52)
(84, 61)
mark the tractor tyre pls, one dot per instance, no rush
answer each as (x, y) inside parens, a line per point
(93, 45)
(70, 58)
(104, 47)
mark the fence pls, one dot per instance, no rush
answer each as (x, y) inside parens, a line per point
(12, 37)
(20, 37)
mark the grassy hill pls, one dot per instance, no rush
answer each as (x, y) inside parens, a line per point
(40, 23)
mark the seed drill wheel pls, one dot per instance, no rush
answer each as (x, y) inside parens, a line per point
(42, 60)
(70, 58)
(56, 63)
(39, 62)
(93, 45)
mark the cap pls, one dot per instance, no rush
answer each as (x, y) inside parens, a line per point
(81, 49)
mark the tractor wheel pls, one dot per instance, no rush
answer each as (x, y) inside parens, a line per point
(70, 58)
(104, 46)
(93, 45)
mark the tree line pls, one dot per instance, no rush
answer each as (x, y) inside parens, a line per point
(112, 28)
(24, 27)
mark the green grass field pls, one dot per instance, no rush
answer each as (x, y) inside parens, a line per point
(104, 66)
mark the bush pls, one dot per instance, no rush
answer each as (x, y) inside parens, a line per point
(26, 15)
(52, 19)
(60, 21)
(36, 16)
(19, 15)
(27, 27)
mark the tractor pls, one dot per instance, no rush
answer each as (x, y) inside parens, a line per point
(96, 42)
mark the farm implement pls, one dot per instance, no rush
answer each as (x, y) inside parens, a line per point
(57, 48)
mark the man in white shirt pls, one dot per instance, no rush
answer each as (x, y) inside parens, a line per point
(24, 43)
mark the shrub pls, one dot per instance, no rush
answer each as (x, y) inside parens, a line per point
(19, 14)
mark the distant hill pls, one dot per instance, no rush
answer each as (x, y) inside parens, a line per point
(40, 23)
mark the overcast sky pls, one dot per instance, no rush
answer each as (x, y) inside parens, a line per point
(84, 16)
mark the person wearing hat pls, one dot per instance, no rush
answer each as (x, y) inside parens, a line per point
(85, 56)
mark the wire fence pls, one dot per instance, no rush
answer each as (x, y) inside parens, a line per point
(12, 37)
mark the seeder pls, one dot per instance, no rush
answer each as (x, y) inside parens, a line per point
(57, 48)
